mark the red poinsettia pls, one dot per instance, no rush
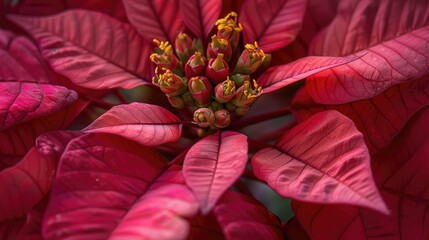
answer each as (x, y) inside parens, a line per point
(314, 99)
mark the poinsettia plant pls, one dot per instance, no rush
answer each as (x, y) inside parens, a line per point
(150, 119)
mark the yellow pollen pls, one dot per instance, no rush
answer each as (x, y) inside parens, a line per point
(228, 87)
(255, 52)
(229, 23)
(164, 46)
(218, 42)
(249, 92)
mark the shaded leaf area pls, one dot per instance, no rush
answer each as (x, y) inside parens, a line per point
(242, 217)
(294, 230)
(93, 50)
(17, 140)
(400, 172)
(273, 24)
(146, 124)
(281, 76)
(112, 176)
(21, 102)
(397, 50)
(155, 19)
(200, 15)
(323, 159)
(21, 60)
(213, 164)
(379, 118)
(114, 8)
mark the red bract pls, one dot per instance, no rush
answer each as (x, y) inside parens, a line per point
(153, 119)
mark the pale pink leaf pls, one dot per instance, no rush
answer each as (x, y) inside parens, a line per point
(397, 50)
(200, 15)
(242, 217)
(281, 76)
(155, 19)
(20, 102)
(379, 118)
(323, 159)
(213, 164)
(92, 49)
(401, 174)
(273, 24)
(147, 124)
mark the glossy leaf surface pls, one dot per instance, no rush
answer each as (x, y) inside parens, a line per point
(201, 15)
(401, 175)
(379, 118)
(236, 212)
(323, 159)
(99, 173)
(155, 19)
(147, 124)
(20, 102)
(283, 75)
(213, 164)
(273, 24)
(397, 50)
(92, 49)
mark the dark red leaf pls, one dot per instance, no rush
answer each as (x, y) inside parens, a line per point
(397, 49)
(147, 124)
(16, 141)
(111, 175)
(10, 229)
(21, 61)
(92, 49)
(205, 227)
(281, 76)
(273, 24)
(401, 174)
(323, 159)
(200, 15)
(380, 118)
(213, 164)
(21, 102)
(294, 230)
(242, 217)
(155, 19)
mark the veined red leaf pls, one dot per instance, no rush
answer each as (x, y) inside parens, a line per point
(213, 164)
(155, 19)
(281, 76)
(242, 217)
(112, 175)
(10, 229)
(21, 61)
(401, 174)
(17, 140)
(397, 49)
(20, 102)
(324, 159)
(273, 24)
(201, 15)
(92, 49)
(147, 124)
(49, 7)
(25, 184)
(380, 118)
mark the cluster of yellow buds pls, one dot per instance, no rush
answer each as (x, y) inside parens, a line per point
(210, 82)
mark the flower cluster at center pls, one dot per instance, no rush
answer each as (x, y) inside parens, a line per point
(215, 82)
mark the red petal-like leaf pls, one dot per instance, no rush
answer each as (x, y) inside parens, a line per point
(20, 102)
(155, 19)
(147, 124)
(380, 118)
(205, 227)
(397, 50)
(324, 159)
(18, 140)
(110, 175)
(21, 61)
(25, 184)
(242, 217)
(92, 49)
(10, 229)
(401, 173)
(273, 24)
(213, 164)
(201, 15)
(281, 76)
